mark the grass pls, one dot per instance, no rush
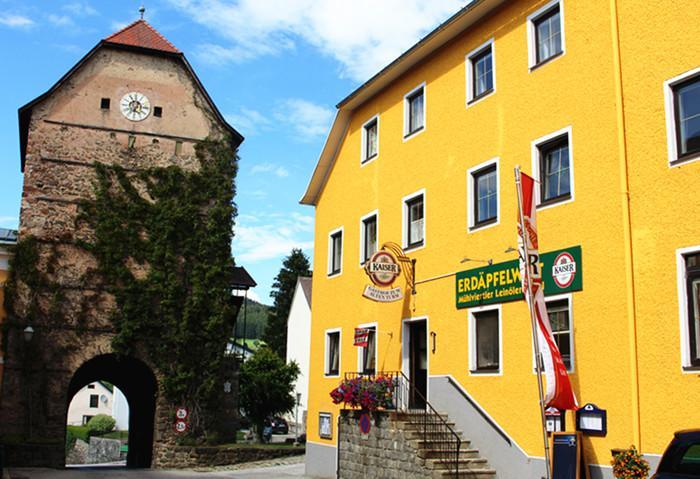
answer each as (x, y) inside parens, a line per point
(121, 435)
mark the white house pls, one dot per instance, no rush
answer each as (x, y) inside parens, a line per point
(298, 339)
(99, 398)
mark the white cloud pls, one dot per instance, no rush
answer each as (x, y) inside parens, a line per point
(363, 35)
(308, 120)
(272, 236)
(80, 9)
(279, 171)
(248, 121)
(61, 20)
(15, 21)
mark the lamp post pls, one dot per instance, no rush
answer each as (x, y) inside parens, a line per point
(28, 334)
(296, 420)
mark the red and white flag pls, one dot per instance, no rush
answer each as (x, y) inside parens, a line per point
(559, 393)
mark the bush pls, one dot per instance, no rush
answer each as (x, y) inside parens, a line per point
(629, 464)
(101, 424)
(76, 432)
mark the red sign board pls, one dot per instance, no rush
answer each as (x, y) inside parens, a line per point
(361, 337)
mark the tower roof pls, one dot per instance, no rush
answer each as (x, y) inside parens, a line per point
(141, 34)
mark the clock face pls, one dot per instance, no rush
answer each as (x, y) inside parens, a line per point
(135, 106)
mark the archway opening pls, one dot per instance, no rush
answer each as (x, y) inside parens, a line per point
(138, 384)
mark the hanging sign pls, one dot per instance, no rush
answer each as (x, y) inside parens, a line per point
(592, 420)
(361, 337)
(383, 269)
(562, 271)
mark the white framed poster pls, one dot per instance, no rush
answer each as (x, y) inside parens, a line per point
(325, 425)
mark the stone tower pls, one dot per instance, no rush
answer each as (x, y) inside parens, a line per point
(132, 101)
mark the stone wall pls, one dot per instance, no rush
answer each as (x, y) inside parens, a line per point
(383, 453)
(201, 456)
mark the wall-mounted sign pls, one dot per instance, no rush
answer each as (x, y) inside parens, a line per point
(383, 269)
(554, 419)
(325, 425)
(180, 426)
(592, 420)
(562, 271)
(181, 413)
(365, 423)
(361, 337)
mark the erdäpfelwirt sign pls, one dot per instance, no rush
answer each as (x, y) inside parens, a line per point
(383, 269)
(562, 271)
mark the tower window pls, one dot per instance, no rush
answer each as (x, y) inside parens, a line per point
(158, 111)
(104, 103)
(132, 141)
(178, 147)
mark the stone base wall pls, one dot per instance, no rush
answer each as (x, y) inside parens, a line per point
(181, 457)
(384, 452)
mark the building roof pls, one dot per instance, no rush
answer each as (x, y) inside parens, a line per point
(8, 236)
(304, 282)
(138, 37)
(141, 34)
(443, 34)
(241, 279)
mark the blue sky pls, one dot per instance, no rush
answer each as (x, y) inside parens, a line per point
(275, 69)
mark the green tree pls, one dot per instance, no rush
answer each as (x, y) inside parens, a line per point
(267, 386)
(294, 265)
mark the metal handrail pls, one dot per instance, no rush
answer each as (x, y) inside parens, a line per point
(432, 427)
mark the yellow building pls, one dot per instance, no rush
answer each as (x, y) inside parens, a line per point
(597, 100)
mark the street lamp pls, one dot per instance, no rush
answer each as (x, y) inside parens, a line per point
(28, 334)
(296, 420)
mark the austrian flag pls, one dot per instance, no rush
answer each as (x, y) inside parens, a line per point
(559, 393)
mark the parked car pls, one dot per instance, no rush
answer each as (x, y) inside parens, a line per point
(279, 425)
(682, 457)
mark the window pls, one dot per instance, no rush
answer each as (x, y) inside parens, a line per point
(480, 72)
(91, 386)
(158, 111)
(683, 116)
(414, 222)
(559, 312)
(692, 291)
(553, 167)
(368, 355)
(335, 252)
(370, 140)
(369, 237)
(333, 353)
(93, 400)
(483, 194)
(485, 341)
(104, 103)
(178, 147)
(545, 34)
(131, 141)
(414, 111)
(86, 419)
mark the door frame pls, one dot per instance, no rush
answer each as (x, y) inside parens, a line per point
(405, 353)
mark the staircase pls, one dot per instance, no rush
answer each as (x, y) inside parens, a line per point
(431, 446)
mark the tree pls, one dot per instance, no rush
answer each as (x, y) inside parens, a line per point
(267, 386)
(294, 265)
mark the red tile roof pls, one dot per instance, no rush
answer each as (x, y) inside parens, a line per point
(141, 34)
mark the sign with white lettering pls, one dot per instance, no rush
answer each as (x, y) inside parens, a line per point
(561, 271)
(383, 269)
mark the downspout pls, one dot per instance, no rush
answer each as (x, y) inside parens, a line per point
(627, 225)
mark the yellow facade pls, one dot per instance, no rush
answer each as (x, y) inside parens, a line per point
(630, 212)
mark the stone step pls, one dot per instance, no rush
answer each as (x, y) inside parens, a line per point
(432, 453)
(432, 423)
(468, 474)
(417, 434)
(464, 464)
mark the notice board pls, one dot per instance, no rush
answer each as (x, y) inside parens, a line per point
(567, 456)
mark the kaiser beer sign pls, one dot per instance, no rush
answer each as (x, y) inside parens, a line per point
(562, 271)
(383, 269)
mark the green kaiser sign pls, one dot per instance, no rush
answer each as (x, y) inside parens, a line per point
(562, 271)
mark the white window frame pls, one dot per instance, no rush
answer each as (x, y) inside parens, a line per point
(406, 113)
(569, 298)
(469, 65)
(326, 349)
(535, 148)
(362, 234)
(405, 349)
(363, 147)
(404, 220)
(471, 188)
(686, 365)
(670, 107)
(472, 339)
(330, 272)
(532, 36)
(376, 346)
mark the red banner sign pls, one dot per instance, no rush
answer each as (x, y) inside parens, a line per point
(361, 337)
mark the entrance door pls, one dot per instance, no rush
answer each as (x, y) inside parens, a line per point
(417, 364)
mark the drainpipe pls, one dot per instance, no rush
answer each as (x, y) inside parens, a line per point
(627, 225)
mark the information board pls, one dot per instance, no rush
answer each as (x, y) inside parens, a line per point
(567, 456)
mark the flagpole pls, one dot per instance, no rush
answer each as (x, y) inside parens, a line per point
(533, 319)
